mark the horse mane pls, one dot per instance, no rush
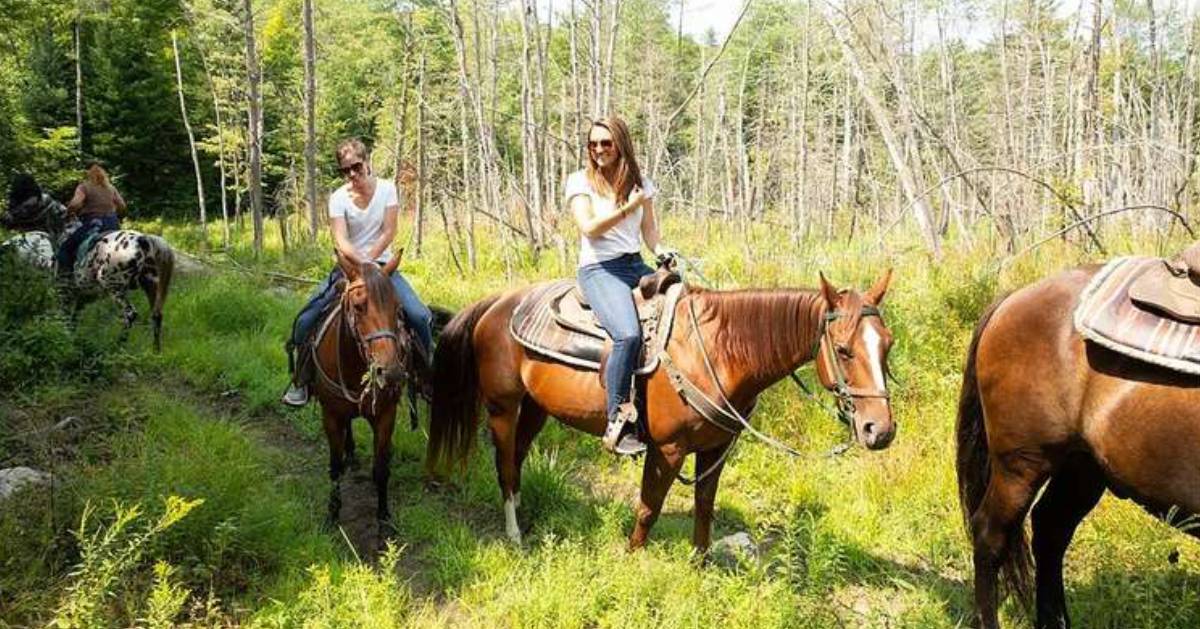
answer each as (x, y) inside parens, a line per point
(377, 284)
(752, 342)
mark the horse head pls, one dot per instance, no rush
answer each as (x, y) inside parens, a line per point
(370, 309)
(852, 360)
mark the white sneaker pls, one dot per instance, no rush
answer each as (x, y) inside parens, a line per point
(295, 395)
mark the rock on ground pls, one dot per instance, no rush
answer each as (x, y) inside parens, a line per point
(14, 478)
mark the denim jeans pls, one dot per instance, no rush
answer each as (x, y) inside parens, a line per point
(608, 288)
(91, 225)
(416, 314)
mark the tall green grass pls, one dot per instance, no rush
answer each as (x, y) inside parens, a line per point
(860, 539)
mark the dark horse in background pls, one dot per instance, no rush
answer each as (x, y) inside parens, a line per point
(751, 339)
(116, 262)
(1042, 407)
(359, 352)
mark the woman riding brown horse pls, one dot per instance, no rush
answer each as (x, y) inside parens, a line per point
(359, 352)
(728, 345)
(1042, 407)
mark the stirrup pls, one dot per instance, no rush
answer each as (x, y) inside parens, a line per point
(620, 436)
(296, 395)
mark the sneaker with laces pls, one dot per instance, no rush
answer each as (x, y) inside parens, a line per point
(295, 395)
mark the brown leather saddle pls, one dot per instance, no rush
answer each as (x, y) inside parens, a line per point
(1145, 308)
(555, 320)
(1171, 288)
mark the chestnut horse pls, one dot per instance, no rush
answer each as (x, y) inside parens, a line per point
(730, 345)
(1042, 407)
(359, 353)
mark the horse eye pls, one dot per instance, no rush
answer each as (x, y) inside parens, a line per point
(844, 352)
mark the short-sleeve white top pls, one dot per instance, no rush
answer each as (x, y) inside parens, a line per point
(622, 238)
(364, 225)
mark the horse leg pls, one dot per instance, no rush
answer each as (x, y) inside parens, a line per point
(351, 460)
(335, 435)
(706, 495)
(149, 286)
(384, 424)
(530, 422)
(503, 423)
(995, 526)
(128, 313)
(1072, 493)
(661, 467)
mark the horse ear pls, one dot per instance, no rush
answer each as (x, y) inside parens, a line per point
(828, 291)
(875, 295)
(393, 263)
(349, 269)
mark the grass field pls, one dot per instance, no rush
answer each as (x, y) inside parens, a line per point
(860, 539)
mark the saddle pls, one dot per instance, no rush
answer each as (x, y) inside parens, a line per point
(1145, 308)
(554, 320)
(1171, 288)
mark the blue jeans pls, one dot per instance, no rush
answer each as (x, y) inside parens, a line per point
(416, 314)
(608, 288)
(91, 225)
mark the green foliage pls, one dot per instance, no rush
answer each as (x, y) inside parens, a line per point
(40, 345)
(108, 553)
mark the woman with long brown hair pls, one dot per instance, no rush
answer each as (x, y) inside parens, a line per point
(613, 204)
(96, 202)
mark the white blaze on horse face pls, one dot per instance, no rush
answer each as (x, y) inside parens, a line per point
(510, 520)
(874, 343)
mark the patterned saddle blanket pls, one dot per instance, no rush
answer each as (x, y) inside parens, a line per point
(554, 321)
(1119, 310)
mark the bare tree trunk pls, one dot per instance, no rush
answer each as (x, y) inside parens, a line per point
(254, 124)
(609, 66)
(79, 85)
(422, 170)
(531, 183)
(908, 180)
(187, 125)
(310, 118)
(212, 88)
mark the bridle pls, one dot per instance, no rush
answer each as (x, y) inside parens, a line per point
(349, 327)
(826, 351)
(724, 415)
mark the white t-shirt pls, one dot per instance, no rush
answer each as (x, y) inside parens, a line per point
(364, 225)
(622, 238)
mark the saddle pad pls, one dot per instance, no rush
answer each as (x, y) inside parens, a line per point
(1106, 315)
(535, 327)
(1169, 291)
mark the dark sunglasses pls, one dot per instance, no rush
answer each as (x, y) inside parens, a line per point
(356, 167)
(602, 144)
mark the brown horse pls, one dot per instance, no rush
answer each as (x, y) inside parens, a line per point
(1042, 407)
(359, 353)
(729, 345)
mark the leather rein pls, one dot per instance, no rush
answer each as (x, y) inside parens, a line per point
(348, 327)
(724, 415)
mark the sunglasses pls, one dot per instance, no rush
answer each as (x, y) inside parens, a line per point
(600, 144)
(356, 167)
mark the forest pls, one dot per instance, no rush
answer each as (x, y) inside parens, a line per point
(974, 147)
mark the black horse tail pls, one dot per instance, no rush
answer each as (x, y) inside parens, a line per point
(974, 469)
(454, 414)
(166, 267)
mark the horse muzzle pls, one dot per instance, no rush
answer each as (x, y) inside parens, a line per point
(876, 434)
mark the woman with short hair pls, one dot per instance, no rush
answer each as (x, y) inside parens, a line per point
(362, 216)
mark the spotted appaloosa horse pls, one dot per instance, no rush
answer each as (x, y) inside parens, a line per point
(728, 345)
(117, 261)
